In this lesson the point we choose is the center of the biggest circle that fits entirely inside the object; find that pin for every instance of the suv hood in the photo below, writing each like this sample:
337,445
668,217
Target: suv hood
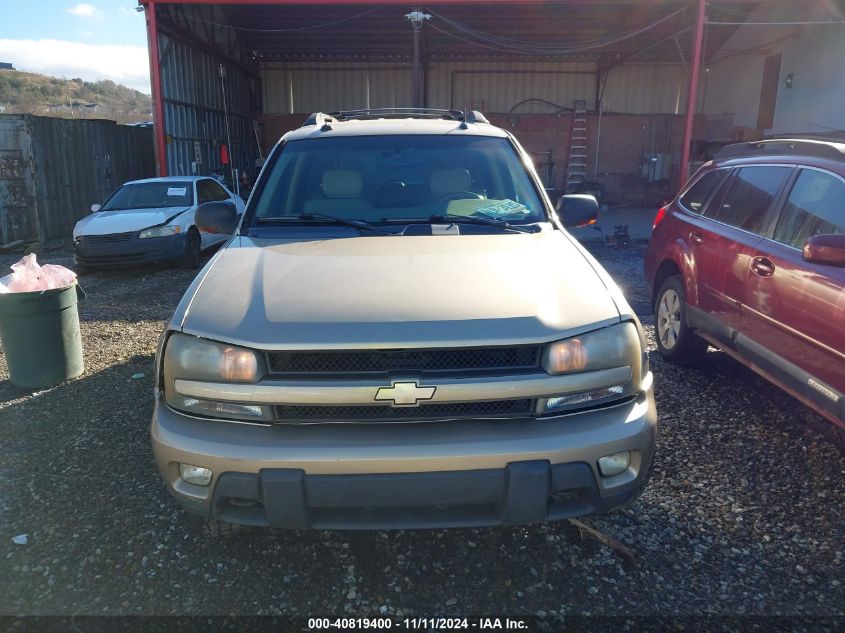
107,222
397,291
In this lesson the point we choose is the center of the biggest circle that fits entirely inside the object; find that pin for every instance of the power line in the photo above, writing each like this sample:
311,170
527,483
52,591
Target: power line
502,43
805,23
290,30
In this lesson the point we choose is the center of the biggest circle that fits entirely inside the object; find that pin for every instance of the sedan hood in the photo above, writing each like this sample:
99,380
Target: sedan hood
398,291
107,222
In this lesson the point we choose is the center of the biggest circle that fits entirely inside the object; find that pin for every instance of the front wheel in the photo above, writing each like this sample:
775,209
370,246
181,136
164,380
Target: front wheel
191,256
676,342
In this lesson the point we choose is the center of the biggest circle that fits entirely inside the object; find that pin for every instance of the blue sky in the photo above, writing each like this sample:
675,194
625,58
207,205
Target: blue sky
94,39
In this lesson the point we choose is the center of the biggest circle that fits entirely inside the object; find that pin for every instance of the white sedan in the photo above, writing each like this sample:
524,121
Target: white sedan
150,221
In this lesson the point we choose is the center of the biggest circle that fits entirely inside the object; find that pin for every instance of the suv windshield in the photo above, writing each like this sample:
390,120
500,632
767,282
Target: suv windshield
397,178
147,195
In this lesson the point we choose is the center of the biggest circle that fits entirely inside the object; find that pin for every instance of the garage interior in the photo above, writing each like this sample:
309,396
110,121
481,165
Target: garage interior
596,91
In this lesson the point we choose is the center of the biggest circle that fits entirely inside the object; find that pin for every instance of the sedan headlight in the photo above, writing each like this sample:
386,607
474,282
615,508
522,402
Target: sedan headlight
160,231
196,359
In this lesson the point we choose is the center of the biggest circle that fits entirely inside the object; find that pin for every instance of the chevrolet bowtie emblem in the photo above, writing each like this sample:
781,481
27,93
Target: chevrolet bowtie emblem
405,393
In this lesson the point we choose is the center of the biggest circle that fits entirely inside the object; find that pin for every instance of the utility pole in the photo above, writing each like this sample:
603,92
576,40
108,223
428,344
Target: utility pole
417,18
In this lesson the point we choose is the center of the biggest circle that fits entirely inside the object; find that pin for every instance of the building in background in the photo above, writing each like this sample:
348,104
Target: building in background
595,90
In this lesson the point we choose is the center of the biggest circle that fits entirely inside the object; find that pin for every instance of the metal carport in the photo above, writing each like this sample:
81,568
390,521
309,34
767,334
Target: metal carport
268,49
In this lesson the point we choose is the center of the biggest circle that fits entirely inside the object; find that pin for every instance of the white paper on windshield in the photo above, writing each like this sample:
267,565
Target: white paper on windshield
176,191
503,209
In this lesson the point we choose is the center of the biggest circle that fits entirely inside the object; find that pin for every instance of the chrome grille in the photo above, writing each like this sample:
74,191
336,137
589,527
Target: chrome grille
363,413
107,239
432,361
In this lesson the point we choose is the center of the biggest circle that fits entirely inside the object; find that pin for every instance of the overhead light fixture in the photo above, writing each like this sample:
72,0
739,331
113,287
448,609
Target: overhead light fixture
417,18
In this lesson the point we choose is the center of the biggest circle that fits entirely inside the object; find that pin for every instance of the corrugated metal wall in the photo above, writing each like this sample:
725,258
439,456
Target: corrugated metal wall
646,89
313,87
70,164
17,191
298,87
194,110
499,86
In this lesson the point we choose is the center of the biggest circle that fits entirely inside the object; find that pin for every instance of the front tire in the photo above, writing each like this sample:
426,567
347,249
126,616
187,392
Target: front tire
191,256
676,342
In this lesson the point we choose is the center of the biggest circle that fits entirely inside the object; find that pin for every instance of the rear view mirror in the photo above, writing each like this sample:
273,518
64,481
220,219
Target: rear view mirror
578,209
96,207
825,249
216,217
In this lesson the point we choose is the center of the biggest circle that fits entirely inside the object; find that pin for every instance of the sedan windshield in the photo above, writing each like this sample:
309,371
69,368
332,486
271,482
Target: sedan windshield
386,179
151,195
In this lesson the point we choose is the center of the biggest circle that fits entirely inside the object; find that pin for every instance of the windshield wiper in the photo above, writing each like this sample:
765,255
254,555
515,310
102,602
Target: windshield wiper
361,225
451,218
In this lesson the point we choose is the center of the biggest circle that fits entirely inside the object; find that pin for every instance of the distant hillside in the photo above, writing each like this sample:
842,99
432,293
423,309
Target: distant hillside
47,96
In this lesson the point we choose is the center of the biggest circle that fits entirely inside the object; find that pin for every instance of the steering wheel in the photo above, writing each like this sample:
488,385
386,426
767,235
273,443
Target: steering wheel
461,195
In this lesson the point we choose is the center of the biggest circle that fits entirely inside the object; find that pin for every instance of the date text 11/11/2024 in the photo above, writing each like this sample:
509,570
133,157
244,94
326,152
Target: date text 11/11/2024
418,624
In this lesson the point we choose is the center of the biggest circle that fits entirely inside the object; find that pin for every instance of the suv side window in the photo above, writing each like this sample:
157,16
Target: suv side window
696,196
749,197
816,206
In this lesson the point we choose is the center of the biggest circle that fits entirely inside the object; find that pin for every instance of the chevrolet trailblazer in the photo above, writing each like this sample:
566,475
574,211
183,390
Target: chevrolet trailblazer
401,333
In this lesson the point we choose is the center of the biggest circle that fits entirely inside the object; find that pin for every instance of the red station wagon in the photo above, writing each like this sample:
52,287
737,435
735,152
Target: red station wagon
750,258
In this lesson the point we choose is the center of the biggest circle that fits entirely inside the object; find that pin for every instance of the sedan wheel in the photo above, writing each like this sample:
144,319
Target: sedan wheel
193,250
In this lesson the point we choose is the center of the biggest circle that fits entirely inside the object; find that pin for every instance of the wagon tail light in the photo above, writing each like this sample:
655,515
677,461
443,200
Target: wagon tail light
661,215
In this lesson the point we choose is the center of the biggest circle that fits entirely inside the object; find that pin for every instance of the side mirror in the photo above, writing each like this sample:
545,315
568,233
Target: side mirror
216,217
578,209
96,207
825,249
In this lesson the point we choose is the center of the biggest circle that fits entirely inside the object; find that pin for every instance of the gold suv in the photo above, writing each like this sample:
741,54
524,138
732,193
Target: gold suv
401,334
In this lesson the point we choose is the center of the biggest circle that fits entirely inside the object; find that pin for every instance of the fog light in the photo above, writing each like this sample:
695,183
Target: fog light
195,474
614,464
585,397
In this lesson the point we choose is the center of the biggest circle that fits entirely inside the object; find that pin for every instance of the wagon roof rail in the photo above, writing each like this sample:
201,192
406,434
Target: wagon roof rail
784,146
468,116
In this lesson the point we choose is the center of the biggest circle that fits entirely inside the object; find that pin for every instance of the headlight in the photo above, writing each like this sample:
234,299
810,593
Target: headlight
160,231
192,358
615,346
608,348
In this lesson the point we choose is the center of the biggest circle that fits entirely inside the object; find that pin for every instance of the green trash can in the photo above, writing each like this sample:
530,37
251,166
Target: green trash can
41,337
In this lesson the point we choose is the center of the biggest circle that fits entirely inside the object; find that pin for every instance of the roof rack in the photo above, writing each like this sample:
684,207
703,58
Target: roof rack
784,146
470,116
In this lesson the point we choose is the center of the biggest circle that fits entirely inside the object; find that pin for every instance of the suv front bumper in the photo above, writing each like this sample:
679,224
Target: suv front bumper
407,475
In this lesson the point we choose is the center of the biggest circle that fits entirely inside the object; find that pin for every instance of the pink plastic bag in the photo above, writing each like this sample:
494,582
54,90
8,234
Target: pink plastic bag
28,276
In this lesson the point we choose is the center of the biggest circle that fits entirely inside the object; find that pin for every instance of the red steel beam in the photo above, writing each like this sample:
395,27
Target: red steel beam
410,3
692,92
158,100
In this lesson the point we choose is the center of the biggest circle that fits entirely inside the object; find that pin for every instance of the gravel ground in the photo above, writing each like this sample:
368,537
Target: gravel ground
743,514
